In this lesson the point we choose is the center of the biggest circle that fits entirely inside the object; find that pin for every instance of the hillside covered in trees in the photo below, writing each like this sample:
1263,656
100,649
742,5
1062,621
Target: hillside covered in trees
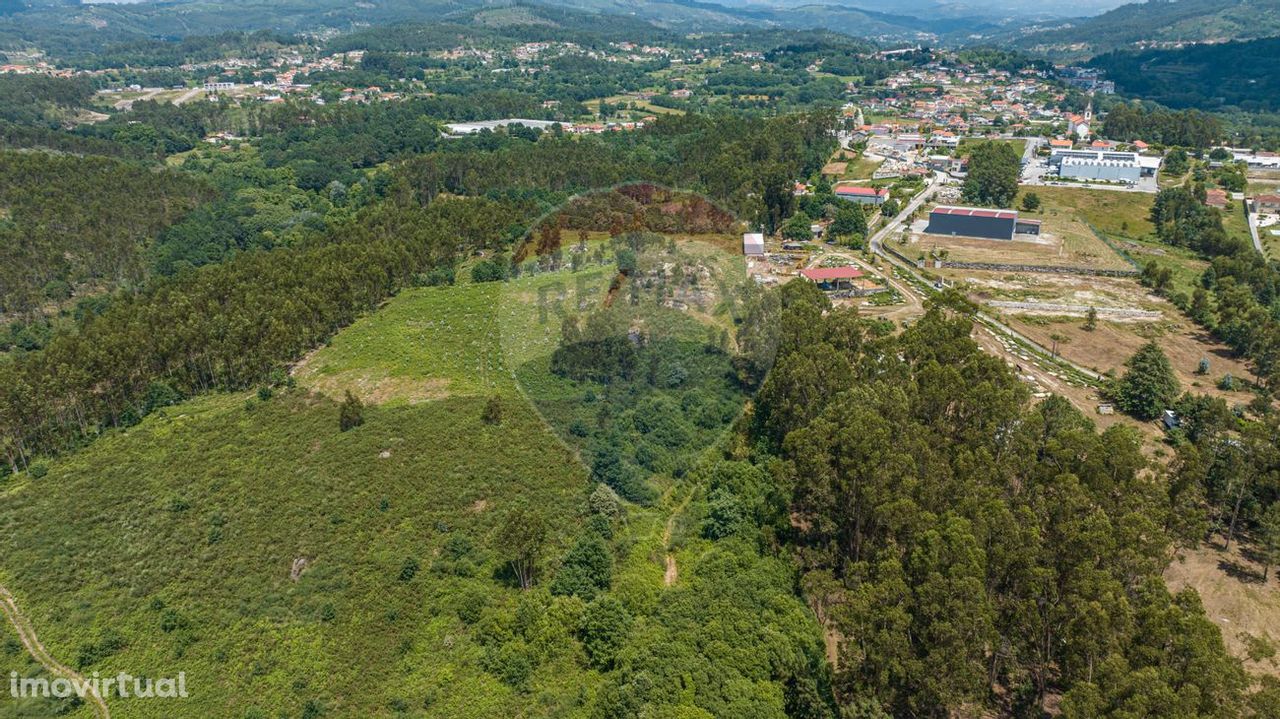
70,221
1159,20
1224,76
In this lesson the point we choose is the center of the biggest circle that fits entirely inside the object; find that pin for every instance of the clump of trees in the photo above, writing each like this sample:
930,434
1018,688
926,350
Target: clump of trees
994,168
1187,128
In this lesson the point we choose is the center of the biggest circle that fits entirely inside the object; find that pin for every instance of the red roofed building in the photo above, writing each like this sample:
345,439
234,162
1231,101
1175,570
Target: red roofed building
1216,198
862,194
832,278
825,274
1267,204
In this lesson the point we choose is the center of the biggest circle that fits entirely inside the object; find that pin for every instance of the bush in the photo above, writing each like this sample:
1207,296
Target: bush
408,570
725,516
603,630
352,413
494,270
492,411
586,570
604,501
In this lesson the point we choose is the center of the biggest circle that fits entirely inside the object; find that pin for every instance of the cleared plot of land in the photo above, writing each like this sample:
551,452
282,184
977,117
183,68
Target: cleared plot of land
862,168
1107,347
1124,214
1062,243
1117,337
967,143
1235,598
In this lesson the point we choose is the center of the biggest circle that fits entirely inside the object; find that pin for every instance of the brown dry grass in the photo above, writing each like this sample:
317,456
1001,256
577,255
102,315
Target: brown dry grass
835,169
374,388
1073,249
1107,347
1235,598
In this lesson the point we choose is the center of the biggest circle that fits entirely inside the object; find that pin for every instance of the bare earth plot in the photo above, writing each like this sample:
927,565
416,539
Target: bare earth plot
1062,244
1121,329
1108,346
1235,598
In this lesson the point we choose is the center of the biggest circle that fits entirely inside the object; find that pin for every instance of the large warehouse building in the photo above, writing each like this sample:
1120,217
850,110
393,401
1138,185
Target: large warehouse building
1100,165
972,222
979,222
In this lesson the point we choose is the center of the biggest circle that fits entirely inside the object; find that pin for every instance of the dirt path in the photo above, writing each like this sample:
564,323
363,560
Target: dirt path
188,95
672,572
27,635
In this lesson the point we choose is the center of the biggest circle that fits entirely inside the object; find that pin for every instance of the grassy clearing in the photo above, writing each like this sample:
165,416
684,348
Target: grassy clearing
861,168
1122,214
1236,599
967,143
1236,222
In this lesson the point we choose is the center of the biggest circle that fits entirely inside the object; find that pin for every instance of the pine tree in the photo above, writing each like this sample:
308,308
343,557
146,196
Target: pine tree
1269,538
1149,386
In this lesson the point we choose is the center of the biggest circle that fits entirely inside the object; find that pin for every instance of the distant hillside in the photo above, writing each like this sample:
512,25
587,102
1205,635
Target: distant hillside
61,30
1230,75
1158,21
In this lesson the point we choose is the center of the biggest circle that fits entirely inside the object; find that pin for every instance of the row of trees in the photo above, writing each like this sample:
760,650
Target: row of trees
227,325
1237,290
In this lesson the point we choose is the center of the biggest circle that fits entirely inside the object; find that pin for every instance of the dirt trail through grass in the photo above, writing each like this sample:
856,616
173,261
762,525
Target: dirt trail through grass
672,572
27,635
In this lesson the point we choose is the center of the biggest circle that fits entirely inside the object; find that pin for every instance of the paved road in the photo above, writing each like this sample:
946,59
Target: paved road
1252,219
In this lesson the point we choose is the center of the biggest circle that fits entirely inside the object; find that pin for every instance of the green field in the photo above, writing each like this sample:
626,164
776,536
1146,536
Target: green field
967,143
206,507
291,569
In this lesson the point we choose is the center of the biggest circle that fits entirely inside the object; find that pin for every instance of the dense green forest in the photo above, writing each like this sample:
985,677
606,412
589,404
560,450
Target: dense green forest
1223,76
970,550
70,221
1127,122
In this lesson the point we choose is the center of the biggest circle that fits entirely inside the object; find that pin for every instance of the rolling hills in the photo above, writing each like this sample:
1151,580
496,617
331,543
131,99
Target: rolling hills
1155,23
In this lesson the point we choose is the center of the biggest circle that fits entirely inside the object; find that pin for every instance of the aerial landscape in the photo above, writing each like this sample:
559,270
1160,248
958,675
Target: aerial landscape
668,359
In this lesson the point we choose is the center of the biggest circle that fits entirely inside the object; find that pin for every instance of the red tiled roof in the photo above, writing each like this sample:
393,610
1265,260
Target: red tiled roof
975,212
820,274
1268,199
